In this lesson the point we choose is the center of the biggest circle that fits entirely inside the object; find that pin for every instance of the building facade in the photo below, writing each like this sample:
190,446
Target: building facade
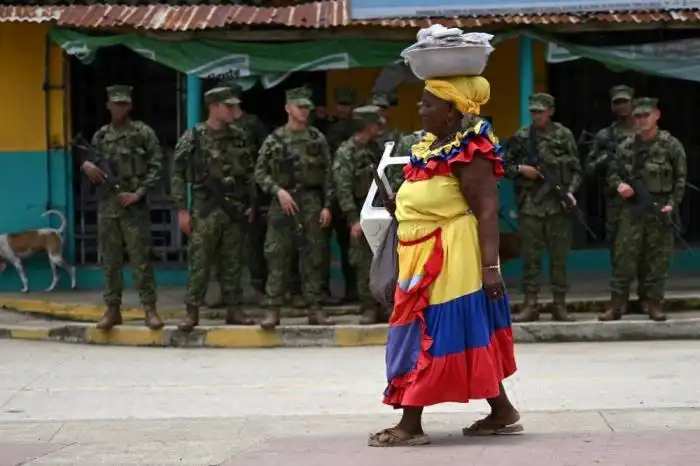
44,91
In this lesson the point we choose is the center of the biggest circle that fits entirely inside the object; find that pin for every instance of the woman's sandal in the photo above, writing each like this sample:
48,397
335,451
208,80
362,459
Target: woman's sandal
394,437
485,427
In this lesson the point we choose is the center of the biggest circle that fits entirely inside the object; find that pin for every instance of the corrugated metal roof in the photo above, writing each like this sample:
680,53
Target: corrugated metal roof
189,17
317,15
29,14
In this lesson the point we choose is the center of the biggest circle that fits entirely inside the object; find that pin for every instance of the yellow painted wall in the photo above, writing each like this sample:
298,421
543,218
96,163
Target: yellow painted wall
22,63
502,72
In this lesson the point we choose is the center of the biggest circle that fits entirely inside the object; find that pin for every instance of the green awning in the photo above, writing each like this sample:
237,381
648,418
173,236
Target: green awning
272,63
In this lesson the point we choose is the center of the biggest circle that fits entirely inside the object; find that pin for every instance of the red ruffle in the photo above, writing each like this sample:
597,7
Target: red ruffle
477,366
438,166
410,305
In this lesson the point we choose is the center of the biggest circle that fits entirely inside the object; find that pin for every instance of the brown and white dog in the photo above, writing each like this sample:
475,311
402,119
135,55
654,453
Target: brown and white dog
16,246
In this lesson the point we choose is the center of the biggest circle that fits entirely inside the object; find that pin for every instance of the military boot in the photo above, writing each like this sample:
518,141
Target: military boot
152,319
111,317
530,311
370,316
615,310
317,316
271,319
655,309
191,320
236,316
559,311
329,300
298,302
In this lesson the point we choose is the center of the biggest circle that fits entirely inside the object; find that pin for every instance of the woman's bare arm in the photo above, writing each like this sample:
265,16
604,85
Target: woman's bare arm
480,189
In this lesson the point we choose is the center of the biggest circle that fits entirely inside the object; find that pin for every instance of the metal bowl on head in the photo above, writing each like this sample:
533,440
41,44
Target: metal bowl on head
437,62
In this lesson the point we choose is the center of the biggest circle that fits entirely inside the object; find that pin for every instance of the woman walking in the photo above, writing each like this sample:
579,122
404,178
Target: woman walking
450,337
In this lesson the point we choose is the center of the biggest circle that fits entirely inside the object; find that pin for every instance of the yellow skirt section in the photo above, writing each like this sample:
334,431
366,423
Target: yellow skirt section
423,207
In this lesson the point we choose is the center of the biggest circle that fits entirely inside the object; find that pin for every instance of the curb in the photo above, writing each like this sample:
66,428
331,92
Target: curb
339,336
93,313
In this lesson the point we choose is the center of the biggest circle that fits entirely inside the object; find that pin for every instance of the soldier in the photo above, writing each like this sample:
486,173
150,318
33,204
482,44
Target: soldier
255,256
257,132
342,127
123,214
338,132
320,118
544,222
352,172
255,239
619,130
384,102
394,173
294,165
217,158
644,245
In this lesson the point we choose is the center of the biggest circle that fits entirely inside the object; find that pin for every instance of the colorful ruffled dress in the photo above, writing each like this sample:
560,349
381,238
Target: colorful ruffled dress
447,342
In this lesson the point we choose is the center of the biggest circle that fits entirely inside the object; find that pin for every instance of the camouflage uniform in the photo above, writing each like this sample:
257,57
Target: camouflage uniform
224,159
255,257
255,240
383,101
338,132
352,171
300,163
134,155
544,223
644,245
598,159
394,173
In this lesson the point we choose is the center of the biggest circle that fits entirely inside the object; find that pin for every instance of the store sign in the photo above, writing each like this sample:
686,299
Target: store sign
380,9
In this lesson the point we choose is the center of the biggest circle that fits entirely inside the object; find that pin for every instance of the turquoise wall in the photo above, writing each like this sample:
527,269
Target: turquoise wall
24,192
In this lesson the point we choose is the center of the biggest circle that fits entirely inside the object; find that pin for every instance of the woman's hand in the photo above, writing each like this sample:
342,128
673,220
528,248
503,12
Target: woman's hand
390,205
493,283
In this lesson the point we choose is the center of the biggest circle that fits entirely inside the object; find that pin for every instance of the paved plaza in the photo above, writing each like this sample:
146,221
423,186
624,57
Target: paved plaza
582,404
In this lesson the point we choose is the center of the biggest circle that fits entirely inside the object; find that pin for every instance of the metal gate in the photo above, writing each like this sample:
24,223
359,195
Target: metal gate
159,102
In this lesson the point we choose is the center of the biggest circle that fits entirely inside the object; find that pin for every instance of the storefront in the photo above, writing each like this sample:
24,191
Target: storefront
170,67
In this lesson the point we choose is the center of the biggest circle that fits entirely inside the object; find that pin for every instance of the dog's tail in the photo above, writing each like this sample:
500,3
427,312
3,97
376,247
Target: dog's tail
62,228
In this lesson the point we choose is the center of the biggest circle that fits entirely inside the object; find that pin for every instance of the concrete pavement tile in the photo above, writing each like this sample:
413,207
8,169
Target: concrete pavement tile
309,426
29,431
175,453
16,454
653,419
160,430
638,449
5,396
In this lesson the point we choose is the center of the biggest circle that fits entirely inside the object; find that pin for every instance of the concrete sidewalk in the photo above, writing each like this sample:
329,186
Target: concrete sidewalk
586,295
683,325
581,405
69,317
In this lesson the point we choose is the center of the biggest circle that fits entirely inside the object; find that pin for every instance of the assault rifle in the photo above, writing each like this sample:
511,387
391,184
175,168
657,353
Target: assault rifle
642,201
550,184
112,181
217,195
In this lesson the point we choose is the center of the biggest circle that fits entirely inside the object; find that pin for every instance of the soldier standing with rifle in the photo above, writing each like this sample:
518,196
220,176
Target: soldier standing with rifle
129,151
598,158
339,131
294,166
218,159
544,205
352,171
649,173
255,256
